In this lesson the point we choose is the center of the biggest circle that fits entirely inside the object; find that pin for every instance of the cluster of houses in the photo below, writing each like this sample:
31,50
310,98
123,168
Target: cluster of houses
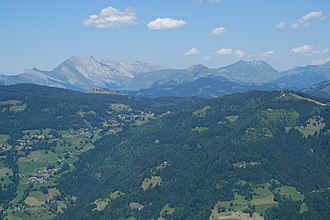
40,176
27,141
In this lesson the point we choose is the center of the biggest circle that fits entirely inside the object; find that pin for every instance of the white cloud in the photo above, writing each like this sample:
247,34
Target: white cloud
229,51
165,23
281,25
206,58
192,52
303,21
239,53
224,51
312,15
112,17
269,54
218,31
320,61
304,50
308,49
324,51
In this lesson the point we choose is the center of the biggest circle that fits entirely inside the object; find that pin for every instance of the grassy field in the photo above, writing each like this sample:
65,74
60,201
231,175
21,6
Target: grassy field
201,112
153,182
166,210
235,216
3,139
262,199
5,173
15,105
136,206
102,203
27,167
291,192
313,126
232,118
40,156
32,213
20,191
39,195
116,195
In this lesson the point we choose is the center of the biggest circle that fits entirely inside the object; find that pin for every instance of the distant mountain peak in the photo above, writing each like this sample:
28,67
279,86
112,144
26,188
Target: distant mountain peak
81,58
250,72
34,69
198,67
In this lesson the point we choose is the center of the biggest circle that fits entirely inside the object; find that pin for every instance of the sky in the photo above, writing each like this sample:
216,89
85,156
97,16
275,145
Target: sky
171,33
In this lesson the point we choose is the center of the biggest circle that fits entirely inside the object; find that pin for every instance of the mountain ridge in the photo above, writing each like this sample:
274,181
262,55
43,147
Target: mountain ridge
84,73
304,76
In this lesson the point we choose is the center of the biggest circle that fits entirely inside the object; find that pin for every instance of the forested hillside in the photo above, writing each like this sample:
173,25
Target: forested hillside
254,155
102,155
43,132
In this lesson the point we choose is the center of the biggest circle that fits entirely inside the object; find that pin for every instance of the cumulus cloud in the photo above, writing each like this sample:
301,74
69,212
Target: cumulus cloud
308,49
269,54
224,51
165,23
303,21
218,31
303,50
111,17
229,51
239,53
281,25
192,52
311,15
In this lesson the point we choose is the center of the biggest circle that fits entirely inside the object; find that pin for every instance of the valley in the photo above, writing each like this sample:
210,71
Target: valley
165,110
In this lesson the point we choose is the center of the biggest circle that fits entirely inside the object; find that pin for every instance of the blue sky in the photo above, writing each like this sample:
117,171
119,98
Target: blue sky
172,33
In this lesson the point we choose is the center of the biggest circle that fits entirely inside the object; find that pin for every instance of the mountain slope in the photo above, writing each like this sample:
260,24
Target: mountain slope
241,72
321,89
249,72
168,77
205,87
257,152
44,131
304,77
83,73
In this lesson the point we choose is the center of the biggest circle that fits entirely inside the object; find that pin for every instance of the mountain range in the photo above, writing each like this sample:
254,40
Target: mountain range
83,73
146,79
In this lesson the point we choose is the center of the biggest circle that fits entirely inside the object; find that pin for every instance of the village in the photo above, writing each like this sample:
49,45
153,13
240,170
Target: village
44,155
